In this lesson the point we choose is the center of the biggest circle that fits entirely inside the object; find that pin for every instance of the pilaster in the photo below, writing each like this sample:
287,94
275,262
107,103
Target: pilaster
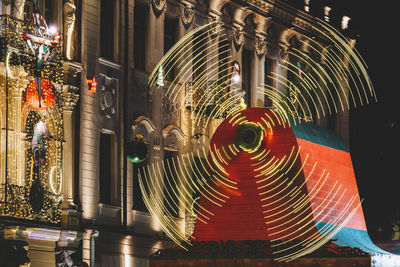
70,216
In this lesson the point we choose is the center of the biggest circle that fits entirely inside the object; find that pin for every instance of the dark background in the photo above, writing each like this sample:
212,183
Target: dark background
375,128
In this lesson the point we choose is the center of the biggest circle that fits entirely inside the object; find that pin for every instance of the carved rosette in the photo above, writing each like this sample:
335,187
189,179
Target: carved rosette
237,36
215,26
158,6
187,14
260,45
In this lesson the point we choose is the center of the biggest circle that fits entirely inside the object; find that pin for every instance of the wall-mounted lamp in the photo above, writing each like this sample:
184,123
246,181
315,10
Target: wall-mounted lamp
137,150
92,85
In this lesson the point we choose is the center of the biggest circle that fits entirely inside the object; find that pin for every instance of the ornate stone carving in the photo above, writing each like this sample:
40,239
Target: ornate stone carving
17,9
69,25
215,26
187,14
158,6
283,54
170,111
108,96
69,100
237,36
66,257
260,45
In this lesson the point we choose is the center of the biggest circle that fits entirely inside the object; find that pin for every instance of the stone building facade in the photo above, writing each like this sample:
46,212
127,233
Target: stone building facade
109,49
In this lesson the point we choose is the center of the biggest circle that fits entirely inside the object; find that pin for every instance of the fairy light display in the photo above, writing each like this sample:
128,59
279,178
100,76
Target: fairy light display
24,60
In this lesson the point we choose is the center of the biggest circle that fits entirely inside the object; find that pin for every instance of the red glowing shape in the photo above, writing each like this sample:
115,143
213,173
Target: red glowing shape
48,91
260,208
92,85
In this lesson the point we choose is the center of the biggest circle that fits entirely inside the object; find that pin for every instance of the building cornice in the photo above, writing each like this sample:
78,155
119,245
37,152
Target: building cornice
284,14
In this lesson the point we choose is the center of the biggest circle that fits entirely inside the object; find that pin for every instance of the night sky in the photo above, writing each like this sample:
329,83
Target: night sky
375,128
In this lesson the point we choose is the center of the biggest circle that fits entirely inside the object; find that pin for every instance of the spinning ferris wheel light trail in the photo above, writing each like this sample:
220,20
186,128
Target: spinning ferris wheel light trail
294,179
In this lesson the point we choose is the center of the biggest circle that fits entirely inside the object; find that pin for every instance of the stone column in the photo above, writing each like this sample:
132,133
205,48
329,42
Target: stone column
212,54
283,57
155,34
258,70
186,13
70,98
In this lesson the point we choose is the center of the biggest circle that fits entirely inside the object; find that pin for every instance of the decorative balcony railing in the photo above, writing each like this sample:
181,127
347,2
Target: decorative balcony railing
31,125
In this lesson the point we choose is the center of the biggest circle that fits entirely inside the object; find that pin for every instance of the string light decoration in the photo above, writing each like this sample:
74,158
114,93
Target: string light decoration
19,115
160,77
263,175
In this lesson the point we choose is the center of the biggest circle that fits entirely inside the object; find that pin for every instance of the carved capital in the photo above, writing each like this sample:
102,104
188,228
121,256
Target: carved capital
260,45
215,25
158,6
69,100
237,36
187,14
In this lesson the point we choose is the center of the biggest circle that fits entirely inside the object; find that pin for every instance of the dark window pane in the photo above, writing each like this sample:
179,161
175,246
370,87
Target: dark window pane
223,58
199,54
269,79
140,17
48,11
138,203
105,168
170,26
246,75
107,19
171,202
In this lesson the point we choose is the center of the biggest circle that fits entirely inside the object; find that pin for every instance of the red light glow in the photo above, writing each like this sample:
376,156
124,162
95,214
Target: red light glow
32,96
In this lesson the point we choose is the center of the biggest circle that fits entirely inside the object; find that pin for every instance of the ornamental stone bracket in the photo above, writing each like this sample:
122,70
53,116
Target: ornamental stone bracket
237,35
144,126
283,55
215,23
158,6
69,97
186,14
172,135
260,45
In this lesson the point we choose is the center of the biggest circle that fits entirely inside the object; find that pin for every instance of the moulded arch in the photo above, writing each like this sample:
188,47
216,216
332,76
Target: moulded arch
216,5
144,126
172,135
